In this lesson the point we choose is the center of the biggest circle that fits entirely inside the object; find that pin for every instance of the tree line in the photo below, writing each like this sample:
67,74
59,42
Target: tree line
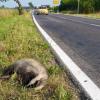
85,6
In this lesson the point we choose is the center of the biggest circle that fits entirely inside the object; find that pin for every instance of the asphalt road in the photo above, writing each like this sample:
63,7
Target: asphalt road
78,37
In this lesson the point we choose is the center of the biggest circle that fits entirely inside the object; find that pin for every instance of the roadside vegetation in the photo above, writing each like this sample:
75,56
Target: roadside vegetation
4,13
19,8
88,8
19,38
91,15
85,6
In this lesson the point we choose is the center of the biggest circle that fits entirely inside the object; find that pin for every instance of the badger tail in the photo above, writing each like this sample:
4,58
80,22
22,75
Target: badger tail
7,72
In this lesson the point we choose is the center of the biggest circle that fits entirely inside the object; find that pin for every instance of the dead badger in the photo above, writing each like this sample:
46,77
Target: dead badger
29,71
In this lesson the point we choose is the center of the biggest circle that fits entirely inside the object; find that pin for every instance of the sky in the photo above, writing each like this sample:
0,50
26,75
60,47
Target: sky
12,4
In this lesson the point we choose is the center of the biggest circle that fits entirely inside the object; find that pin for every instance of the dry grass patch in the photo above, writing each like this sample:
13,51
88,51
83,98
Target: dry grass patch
7,13
95,15
92,15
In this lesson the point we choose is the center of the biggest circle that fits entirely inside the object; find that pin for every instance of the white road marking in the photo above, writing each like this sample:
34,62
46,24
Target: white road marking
92,90
79,21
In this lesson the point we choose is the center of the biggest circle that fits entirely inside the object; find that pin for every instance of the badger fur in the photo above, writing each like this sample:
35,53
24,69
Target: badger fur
29,71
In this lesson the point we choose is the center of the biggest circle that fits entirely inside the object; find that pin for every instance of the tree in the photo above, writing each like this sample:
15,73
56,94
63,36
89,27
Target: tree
86,6
20,8
68,5
31,5
2,6
97,5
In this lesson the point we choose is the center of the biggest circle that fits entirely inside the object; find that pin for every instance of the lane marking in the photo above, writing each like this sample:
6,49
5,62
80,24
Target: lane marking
97,25
85,82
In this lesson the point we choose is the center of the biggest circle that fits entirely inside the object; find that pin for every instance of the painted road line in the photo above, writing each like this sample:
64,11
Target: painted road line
96,25
85,82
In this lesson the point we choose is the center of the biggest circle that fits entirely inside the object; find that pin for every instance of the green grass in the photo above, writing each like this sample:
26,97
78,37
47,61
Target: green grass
68,12
94,15
91,15
19,38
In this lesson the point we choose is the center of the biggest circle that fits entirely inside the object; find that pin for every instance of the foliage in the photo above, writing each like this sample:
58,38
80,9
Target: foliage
68,5
86,6
20,8
31,5
97,5
55,8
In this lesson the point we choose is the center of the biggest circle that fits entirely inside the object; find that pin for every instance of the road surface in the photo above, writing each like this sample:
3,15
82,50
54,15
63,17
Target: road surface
78,37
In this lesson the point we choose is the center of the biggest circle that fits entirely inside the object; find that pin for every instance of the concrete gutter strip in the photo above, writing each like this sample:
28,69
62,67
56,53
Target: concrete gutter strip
84,81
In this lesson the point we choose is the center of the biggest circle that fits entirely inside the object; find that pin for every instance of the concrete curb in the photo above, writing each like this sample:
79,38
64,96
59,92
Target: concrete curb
84,81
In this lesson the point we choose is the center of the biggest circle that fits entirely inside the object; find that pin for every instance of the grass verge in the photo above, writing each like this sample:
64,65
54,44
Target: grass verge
19,38
91,15
94,15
